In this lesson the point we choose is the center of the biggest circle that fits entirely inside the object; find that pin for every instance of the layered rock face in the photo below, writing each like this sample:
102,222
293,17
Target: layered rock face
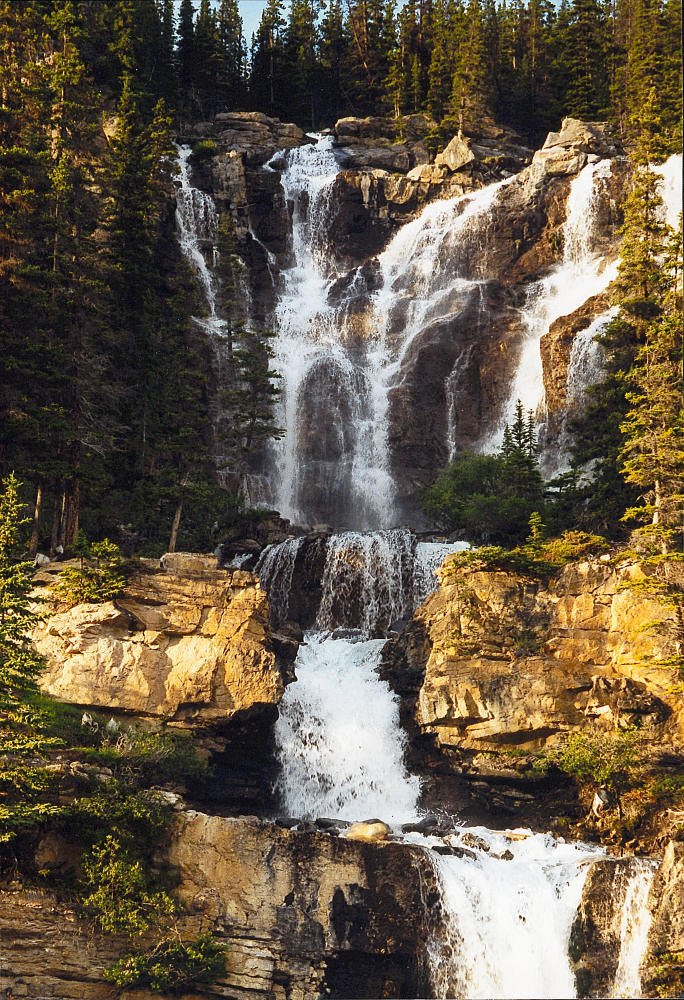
496,667
498,659
303,915
186,644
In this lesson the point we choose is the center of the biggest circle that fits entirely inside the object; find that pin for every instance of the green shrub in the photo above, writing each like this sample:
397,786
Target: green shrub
604,759
172,966
205,149
120,897
99,578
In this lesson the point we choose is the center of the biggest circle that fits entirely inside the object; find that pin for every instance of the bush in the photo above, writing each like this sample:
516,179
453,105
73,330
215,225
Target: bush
604,759
205,149
98,579
172,966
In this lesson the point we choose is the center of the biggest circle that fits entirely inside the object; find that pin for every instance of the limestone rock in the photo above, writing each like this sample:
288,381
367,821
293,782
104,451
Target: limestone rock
496,658
186,642
556,347
369,831
302,915
664,966
597,928
456,155
567,152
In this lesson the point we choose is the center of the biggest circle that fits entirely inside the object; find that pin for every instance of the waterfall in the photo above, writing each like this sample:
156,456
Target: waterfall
333,764
333,462
581,274
634,928
369,579
196,228
585,368
197,225
507,922
275,569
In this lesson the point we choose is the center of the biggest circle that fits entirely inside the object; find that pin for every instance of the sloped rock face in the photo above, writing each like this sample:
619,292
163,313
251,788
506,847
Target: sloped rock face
511,662
302,915
185,642
189,645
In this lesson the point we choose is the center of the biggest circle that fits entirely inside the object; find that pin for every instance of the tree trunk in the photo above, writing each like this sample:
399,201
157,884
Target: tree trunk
73,503
35,533
175,525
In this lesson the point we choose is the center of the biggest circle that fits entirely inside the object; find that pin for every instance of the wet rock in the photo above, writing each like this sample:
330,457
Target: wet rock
427,825
369,831
597,929
472,840
664,964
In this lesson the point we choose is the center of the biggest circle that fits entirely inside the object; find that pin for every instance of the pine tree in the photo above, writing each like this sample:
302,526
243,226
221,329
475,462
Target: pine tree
469,98
19,665
653,428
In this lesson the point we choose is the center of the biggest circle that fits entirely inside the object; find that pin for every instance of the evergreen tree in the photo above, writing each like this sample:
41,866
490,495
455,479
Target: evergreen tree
653,428
19,664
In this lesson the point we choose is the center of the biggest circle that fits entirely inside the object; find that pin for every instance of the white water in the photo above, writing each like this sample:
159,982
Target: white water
581,274
337,370
636,923
339,738
509,922
196,225
369,580
585,369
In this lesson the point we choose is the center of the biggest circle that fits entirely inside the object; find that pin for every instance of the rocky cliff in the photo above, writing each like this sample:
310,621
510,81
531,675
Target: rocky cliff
458,357
496,667
187,645
303,915
306,914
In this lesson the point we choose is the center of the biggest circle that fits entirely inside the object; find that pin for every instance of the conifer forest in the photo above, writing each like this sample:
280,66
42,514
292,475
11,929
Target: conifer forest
341,499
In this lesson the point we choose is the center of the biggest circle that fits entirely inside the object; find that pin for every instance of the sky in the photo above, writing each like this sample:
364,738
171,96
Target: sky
250,12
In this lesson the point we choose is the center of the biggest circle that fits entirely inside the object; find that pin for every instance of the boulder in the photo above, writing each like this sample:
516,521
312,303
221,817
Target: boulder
456,155
568,151
185,641
369,831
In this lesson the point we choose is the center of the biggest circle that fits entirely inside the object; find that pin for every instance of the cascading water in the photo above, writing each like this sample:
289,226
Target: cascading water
507,906
332,765
508,922
333,461
585,368
196,227
582,273
635,925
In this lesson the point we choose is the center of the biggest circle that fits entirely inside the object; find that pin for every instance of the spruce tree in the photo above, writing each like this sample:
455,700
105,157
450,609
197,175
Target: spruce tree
653,428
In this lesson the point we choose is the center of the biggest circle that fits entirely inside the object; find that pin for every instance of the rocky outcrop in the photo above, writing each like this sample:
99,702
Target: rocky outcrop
378,143
613,901
302,915
187,645
185,642
556,349
509,661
